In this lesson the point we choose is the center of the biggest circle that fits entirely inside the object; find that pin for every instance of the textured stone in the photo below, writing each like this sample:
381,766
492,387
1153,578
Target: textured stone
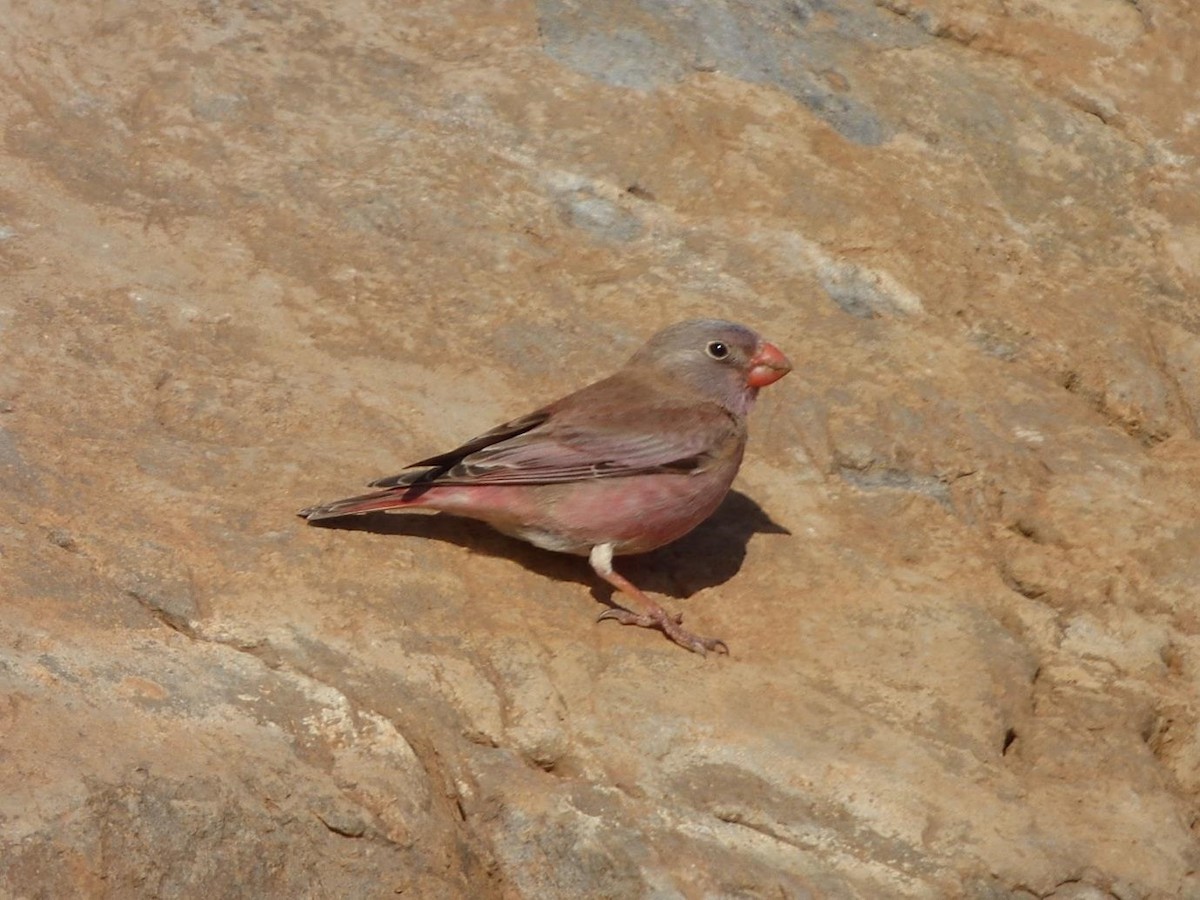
257,254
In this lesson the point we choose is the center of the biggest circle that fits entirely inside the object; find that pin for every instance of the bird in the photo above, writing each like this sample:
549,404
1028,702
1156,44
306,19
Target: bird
622,466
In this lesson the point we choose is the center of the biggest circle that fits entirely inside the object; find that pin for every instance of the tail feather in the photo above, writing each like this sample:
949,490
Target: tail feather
365,503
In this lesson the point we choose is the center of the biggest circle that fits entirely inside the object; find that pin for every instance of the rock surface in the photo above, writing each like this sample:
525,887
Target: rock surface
257,253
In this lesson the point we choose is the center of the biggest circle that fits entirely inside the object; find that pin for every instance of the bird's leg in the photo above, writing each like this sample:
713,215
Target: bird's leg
655,616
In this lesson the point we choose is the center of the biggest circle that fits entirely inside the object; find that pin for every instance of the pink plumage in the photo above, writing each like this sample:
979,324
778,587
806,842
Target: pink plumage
624,465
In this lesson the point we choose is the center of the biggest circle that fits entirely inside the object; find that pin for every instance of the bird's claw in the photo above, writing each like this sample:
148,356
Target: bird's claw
670,625
695,643
625,617
702,644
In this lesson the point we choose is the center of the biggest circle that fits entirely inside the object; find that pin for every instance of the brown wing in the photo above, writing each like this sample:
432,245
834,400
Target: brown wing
613,428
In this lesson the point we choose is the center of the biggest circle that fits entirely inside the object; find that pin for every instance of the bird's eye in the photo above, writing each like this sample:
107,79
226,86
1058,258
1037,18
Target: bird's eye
717,349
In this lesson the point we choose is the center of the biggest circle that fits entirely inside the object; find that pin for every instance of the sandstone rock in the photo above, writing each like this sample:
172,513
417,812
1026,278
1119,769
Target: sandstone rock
257,254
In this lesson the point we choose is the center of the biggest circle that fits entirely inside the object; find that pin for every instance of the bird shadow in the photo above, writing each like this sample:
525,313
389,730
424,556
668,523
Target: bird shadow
708,556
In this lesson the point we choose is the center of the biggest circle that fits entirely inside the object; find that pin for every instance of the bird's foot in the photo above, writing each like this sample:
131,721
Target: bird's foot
668,624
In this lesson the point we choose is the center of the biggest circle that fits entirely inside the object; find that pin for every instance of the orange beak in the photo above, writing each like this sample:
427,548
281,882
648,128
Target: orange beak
767,366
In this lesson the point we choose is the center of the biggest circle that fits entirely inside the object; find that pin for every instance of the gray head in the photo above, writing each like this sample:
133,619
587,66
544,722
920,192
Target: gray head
722,360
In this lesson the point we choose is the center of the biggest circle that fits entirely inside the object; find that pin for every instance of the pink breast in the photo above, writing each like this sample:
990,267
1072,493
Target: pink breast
634,514
640,513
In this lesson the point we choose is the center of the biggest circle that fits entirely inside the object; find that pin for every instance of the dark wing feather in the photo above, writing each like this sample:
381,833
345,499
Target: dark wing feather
444,461
614,428
576,453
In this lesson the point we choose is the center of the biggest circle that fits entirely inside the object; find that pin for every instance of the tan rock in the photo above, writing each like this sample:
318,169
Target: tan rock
256,255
